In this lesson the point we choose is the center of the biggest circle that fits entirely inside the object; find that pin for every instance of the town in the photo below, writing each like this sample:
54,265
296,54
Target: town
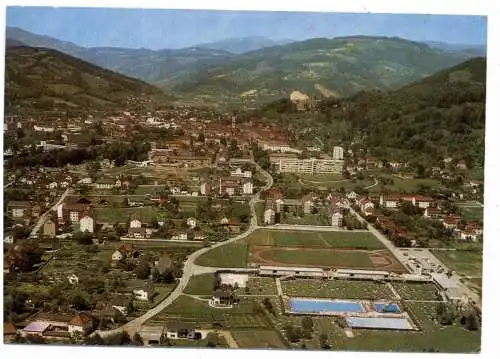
149,215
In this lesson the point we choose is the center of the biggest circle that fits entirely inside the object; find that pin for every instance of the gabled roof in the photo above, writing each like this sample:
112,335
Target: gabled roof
9,329
80,319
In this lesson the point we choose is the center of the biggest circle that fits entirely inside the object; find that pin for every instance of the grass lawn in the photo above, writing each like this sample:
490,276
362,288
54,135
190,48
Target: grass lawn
243,315
476,284
327,177
258,339
259,286
221,343
315,239
417,291
202,284
122,214
472,214
467,263
409,185
340,289
148,189
233,255
453,339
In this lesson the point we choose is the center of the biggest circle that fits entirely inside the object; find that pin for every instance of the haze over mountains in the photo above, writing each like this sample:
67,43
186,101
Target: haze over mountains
254,70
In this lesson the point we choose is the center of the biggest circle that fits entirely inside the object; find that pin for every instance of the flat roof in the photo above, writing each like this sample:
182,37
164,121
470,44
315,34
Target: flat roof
379,323
38,327
361,271
292,269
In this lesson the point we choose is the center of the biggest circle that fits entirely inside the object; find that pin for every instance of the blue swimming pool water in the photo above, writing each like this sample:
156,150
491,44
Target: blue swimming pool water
384,308
299,305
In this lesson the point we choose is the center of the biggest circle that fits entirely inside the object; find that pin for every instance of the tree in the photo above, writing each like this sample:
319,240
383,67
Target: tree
212,340
142,270
137,340
471,322
323,341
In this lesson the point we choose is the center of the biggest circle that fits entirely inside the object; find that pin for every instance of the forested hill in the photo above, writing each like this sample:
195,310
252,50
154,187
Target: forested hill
439,116
39,78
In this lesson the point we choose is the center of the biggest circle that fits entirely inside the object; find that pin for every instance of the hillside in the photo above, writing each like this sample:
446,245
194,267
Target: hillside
243,44
46,79
317,67
440,116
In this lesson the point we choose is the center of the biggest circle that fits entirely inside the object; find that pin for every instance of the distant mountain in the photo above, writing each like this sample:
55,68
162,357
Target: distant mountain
39,78
317,67
474,50
13,43
34,40
144,64
243,44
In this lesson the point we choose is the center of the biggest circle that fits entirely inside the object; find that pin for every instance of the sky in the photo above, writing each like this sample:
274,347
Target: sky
161,29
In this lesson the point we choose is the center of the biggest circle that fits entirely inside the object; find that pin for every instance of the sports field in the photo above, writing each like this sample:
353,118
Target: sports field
359,250
342,239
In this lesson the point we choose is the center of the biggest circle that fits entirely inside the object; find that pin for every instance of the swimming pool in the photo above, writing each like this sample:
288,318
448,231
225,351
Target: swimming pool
387,308
303,305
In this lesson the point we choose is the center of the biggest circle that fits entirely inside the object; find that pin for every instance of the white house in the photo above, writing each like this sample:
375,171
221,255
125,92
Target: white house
337,219
352,195
86,180
248,187
135,223
9,239
87,224
191,222
269,214
141,294
52,185
117,256
73,279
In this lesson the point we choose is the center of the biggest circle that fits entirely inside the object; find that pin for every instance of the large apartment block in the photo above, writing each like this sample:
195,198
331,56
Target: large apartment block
310,166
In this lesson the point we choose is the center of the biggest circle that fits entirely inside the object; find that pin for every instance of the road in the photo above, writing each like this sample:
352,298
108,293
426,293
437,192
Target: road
191,269
394,250
43,217
372,185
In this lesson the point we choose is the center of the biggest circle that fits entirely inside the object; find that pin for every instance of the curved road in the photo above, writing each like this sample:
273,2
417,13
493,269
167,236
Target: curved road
191,269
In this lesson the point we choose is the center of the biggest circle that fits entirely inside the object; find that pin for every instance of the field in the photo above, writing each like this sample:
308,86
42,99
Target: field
472,214
233,255
202,284
326,258
407,185
344,239
339,289
247,314
261,286
262,339
417,291
327,177
302,248
466,263
122,214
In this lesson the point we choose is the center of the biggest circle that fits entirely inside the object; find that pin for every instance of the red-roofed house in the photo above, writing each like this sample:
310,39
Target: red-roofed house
433,213
451,221
81,323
